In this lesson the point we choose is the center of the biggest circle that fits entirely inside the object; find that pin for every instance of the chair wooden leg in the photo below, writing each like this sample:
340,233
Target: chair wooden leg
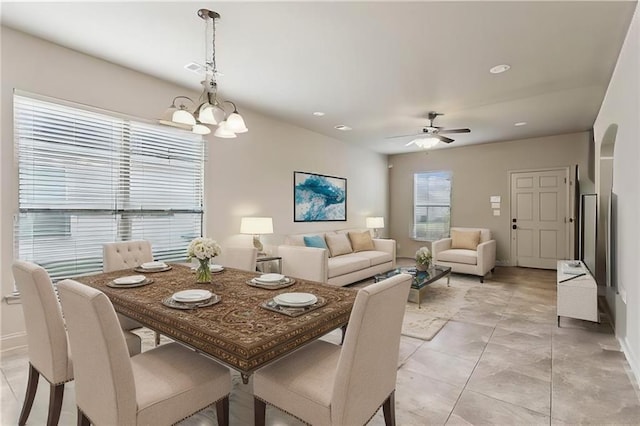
344,332
157,339
32,387
222,411
389,409
82,419
56,392
259,412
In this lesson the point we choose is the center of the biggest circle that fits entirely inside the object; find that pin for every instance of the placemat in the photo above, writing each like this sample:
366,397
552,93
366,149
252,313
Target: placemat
291,311
288,283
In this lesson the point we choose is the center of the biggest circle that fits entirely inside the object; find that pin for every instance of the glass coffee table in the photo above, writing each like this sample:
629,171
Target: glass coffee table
421,279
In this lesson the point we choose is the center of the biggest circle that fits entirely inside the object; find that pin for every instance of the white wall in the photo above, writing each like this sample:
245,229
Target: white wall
480,171
250,175
621,108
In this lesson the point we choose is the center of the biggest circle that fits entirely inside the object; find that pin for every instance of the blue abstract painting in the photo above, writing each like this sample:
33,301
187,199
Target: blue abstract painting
319,198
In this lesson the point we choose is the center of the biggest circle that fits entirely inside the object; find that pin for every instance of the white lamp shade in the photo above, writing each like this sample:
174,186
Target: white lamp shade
223,132
205,114
426,143
184,117
256,225
235,123
375,222
201,129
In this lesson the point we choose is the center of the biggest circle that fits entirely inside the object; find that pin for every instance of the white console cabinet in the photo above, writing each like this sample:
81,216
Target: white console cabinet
577,295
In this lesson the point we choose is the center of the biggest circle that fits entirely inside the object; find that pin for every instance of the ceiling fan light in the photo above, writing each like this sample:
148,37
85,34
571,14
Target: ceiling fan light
183,116
223,132
200,129
235,123
426,143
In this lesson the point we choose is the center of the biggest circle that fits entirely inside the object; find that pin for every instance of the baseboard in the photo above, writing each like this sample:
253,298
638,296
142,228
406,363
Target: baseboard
632,358
13,341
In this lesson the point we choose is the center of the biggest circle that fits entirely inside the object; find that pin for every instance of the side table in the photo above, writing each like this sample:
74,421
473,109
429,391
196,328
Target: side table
261,262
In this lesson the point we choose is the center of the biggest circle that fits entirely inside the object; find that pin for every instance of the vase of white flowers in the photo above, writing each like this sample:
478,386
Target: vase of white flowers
203,249
423,259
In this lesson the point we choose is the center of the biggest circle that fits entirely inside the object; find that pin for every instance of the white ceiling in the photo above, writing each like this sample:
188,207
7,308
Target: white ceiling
378,67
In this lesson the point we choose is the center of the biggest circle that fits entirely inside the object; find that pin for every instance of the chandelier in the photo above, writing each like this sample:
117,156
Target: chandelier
208,111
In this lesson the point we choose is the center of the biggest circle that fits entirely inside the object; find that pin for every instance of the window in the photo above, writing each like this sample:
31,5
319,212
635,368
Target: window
86,178
431,205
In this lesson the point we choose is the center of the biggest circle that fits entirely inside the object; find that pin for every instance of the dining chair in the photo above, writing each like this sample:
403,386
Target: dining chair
158,387
239,258
327,384
47,338
126,255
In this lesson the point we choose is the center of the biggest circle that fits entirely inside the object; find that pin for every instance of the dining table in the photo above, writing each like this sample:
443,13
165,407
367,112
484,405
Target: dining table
245,329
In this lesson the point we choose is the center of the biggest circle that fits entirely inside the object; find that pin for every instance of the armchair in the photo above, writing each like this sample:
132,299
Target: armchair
468,251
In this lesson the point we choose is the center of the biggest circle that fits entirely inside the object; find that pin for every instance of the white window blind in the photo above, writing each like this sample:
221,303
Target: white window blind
87,178
431,205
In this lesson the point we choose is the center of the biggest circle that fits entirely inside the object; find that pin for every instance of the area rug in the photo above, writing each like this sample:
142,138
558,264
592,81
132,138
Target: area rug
439,304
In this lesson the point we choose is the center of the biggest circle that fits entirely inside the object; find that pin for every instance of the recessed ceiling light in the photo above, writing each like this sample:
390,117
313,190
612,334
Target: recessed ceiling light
520,123
500,69
343,127
319,114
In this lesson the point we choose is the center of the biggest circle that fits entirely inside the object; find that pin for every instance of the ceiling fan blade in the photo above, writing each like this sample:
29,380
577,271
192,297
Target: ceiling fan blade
454,131
404,136
444,138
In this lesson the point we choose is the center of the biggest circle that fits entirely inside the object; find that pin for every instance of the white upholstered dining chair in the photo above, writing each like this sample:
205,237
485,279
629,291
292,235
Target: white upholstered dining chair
158,387
239,258
47,338
126,255
326,384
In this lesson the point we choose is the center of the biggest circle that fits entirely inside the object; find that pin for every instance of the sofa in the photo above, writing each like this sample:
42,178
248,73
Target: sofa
467,251
347,256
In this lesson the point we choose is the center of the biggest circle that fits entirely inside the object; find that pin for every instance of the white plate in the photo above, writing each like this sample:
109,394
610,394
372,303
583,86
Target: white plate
153,265
270,278
295,299
216,268
131,279
274,283
190,296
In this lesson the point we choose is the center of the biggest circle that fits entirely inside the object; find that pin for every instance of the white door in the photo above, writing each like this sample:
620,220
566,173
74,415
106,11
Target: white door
539,218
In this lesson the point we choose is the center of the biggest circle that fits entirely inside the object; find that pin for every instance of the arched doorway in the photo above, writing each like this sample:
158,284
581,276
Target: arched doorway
605,261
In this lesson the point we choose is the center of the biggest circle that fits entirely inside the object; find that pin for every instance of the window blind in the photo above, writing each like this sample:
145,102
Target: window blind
431,205
87,178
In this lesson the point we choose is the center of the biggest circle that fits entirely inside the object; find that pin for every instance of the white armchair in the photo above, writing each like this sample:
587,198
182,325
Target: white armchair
468,251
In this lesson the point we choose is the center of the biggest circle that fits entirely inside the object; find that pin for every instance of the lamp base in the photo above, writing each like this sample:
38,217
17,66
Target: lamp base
257,244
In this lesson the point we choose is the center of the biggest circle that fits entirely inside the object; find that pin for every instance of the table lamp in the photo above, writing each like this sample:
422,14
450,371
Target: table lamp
375,223
256,226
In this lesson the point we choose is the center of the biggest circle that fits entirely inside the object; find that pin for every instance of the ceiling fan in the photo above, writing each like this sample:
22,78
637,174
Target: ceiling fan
431,134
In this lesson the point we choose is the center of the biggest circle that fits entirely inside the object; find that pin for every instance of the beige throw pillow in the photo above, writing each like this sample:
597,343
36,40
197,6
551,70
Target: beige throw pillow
338,244
465,239
361,241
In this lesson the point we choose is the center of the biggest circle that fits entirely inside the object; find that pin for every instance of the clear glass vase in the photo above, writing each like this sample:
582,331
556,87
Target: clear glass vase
203,273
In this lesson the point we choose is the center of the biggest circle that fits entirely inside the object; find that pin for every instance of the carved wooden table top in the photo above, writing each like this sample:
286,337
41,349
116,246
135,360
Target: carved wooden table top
236,331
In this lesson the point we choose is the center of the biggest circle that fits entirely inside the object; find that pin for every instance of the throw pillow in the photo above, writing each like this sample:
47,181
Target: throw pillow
361,241
338,244
465,239
315,241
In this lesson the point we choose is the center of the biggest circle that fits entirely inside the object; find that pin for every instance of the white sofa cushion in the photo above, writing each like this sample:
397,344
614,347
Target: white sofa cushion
346,263
469,257
375,257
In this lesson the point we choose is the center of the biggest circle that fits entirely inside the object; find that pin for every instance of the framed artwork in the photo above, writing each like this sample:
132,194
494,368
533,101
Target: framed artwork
319,198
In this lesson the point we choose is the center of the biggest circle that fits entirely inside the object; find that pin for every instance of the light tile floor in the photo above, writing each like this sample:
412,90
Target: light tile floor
501,360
